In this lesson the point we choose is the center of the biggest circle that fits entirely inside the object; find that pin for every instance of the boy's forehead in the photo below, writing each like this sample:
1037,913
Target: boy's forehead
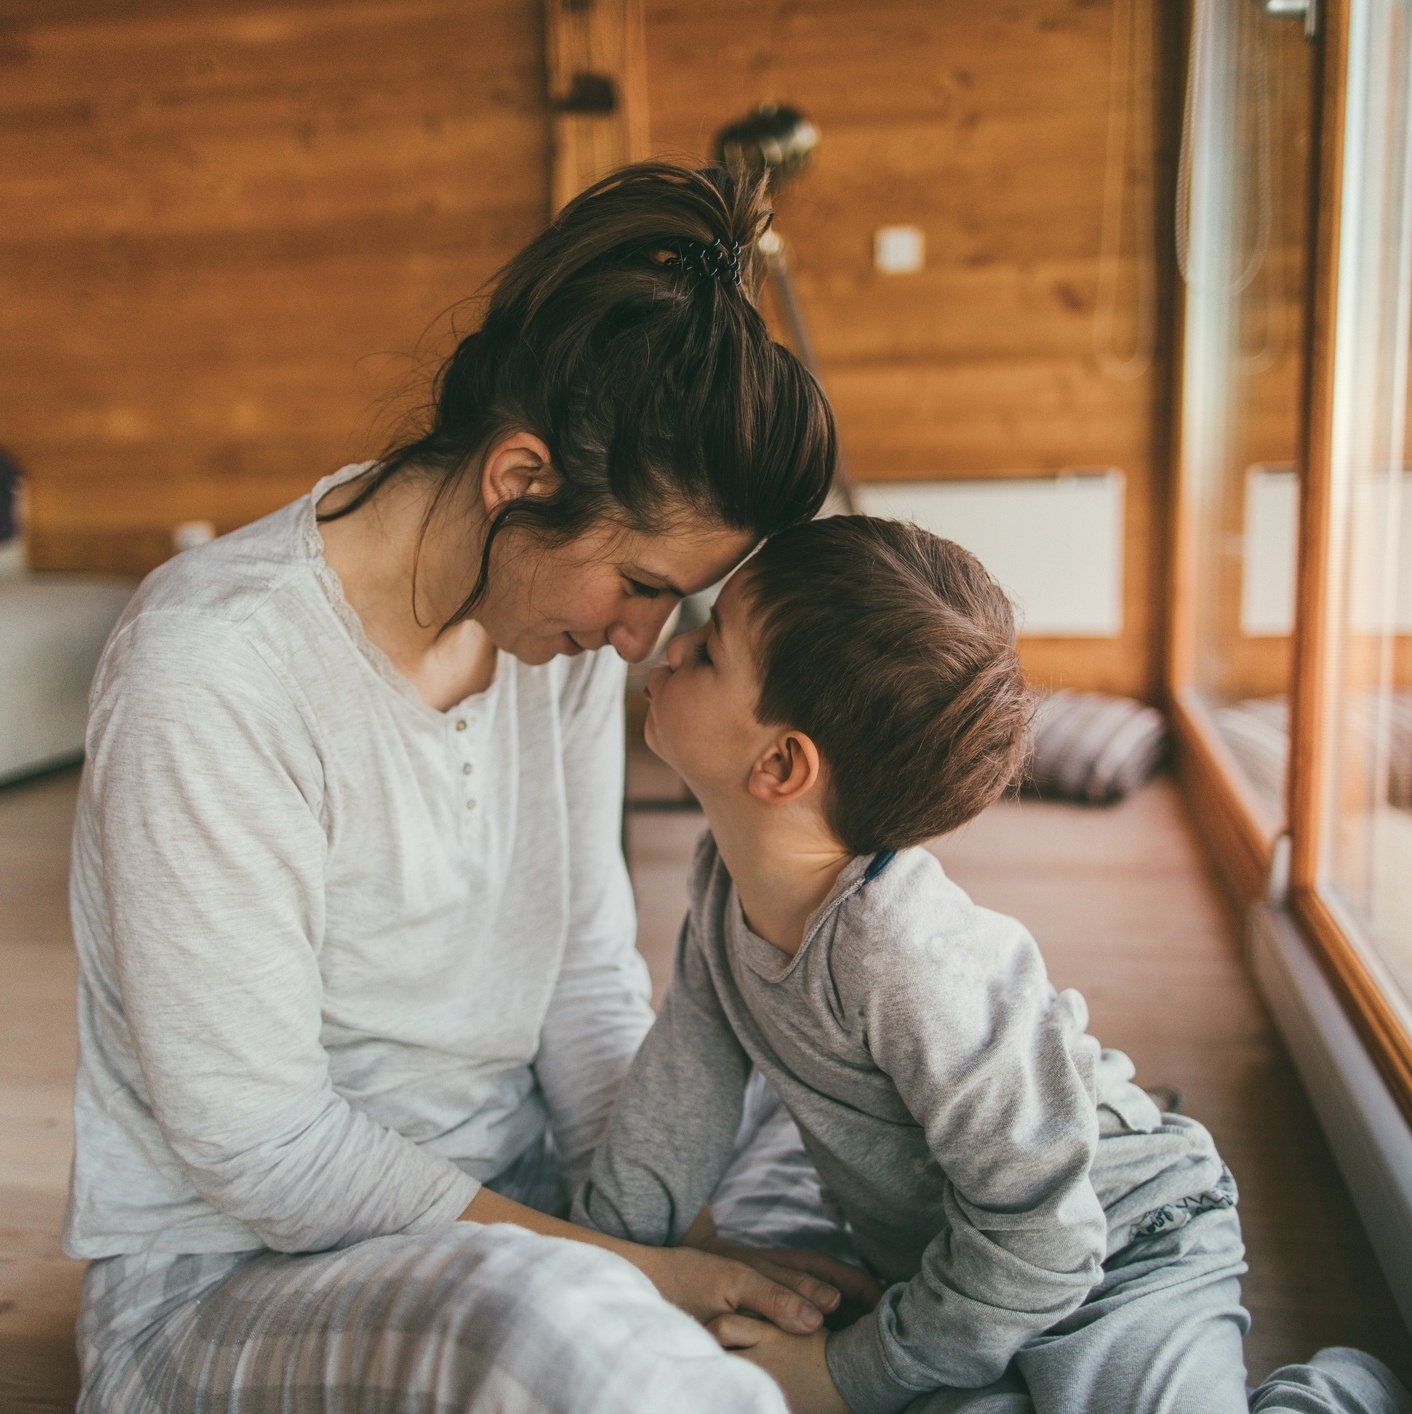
729,611
731,617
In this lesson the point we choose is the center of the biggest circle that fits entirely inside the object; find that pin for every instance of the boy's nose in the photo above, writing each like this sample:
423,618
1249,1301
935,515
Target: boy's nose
677,649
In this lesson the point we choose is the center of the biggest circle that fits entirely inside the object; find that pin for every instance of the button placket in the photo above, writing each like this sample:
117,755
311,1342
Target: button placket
467,767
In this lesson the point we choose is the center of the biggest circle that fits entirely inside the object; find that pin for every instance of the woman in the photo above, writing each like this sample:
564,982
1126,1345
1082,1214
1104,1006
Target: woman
356,938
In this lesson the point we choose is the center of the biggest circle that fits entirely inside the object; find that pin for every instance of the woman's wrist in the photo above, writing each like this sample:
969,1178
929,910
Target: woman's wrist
700,1283
491,1207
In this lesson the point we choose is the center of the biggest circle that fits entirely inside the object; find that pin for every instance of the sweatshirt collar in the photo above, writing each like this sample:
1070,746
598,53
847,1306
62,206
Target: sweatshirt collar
773,964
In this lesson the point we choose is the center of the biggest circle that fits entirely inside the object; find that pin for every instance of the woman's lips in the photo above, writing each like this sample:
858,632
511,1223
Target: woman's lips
574,648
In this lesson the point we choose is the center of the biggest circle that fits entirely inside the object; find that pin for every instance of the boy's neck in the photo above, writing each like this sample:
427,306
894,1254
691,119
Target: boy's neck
783,863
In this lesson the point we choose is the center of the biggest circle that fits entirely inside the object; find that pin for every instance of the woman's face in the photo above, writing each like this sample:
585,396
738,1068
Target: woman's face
608,586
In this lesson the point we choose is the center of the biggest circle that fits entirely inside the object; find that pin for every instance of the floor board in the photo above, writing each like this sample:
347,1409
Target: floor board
38,1285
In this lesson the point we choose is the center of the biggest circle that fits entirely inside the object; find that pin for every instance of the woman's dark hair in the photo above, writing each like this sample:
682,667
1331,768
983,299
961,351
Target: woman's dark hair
894,650
626,336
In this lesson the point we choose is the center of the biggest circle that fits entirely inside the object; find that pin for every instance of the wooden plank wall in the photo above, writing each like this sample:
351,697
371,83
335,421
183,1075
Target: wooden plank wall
986,125
224,226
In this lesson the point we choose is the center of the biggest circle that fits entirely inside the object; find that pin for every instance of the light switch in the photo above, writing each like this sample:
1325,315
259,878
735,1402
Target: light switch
899,250
188,534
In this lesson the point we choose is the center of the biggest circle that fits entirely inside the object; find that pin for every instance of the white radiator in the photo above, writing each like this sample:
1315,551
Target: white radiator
1054,542
1270,548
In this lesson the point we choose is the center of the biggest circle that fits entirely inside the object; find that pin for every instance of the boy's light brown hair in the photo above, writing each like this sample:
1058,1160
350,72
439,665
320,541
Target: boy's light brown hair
894,650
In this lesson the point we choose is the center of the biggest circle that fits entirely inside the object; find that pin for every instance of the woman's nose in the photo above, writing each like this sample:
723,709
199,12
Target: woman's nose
636,635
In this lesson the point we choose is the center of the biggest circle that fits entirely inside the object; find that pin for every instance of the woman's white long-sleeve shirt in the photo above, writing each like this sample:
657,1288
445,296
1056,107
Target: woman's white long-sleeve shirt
341,956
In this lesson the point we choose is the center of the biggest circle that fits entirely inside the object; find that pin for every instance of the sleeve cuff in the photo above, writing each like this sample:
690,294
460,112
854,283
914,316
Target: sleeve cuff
447,1208
860,1370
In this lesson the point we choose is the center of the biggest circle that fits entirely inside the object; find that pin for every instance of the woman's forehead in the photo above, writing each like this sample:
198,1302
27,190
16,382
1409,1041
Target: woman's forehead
690,557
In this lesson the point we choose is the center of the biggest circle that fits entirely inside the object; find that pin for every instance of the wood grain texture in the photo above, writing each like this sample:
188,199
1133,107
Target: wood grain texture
1316,684
1236,826
224,230
38,1285
601,39
225,226
985,126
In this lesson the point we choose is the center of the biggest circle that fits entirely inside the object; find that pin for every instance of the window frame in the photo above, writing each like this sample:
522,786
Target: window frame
1246,844
1332,931
1242,835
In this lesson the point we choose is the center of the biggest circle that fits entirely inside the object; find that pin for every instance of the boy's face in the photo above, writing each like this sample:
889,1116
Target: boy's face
701,714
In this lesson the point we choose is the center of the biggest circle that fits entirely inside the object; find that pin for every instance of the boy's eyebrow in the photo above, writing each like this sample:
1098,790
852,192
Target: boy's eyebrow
716,622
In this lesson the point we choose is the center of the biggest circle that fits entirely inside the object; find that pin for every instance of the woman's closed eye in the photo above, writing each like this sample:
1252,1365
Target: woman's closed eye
645,591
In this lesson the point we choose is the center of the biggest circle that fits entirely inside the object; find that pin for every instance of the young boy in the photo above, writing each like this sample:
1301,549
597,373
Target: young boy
1040,1227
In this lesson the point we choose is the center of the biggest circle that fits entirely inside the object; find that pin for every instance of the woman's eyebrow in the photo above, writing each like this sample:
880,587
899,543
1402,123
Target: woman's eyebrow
641,571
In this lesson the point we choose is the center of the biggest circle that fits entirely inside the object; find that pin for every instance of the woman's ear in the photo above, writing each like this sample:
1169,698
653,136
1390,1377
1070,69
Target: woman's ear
787,770
517,465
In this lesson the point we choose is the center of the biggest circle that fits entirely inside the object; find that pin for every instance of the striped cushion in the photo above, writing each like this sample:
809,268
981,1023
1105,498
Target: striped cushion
1092,747
1257,732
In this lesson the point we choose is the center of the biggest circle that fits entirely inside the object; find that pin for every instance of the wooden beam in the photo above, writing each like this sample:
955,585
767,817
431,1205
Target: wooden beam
596,61
1320,538
1232,820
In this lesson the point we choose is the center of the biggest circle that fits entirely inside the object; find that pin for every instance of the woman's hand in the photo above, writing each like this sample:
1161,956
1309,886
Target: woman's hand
703,1284
796,1363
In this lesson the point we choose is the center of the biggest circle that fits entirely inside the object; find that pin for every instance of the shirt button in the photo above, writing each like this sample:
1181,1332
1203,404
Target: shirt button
470,805
467,769
460,724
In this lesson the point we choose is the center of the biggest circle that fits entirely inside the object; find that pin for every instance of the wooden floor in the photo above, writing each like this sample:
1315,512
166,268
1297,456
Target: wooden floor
38,1287
1117,898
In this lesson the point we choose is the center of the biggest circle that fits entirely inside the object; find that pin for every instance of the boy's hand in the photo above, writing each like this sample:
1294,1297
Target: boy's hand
706,1285
796,1363
843,1292
814,1275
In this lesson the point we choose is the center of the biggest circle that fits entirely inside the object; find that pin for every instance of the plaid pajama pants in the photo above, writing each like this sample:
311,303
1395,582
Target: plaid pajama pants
475,1319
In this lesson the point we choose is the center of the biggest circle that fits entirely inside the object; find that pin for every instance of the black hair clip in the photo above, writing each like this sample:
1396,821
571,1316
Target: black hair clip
717,261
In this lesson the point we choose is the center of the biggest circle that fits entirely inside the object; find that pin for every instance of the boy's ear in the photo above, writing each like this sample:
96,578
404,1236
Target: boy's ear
786,770
517,465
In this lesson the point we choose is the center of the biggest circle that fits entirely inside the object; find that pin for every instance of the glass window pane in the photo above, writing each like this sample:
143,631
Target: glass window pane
1368,830
1246,147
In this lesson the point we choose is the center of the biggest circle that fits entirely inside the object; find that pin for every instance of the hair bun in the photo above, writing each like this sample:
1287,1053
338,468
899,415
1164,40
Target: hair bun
717,261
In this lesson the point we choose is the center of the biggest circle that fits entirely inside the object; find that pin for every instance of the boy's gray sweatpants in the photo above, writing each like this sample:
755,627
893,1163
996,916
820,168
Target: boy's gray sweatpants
496,1320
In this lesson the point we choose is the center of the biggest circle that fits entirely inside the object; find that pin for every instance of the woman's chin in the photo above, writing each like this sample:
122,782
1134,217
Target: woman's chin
535,652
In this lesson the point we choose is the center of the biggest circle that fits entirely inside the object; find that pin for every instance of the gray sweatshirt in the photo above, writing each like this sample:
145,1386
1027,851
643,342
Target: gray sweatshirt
985,1152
